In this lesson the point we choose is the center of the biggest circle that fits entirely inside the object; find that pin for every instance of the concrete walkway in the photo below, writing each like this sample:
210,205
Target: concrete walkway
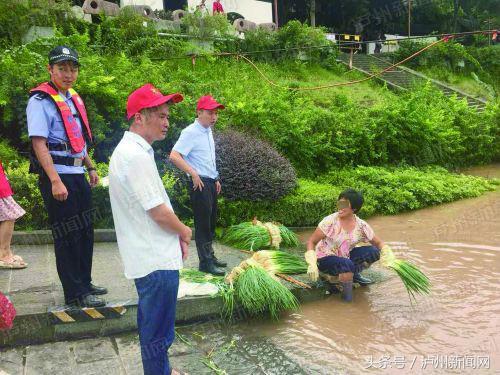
36,288
199,349
105,355
38,298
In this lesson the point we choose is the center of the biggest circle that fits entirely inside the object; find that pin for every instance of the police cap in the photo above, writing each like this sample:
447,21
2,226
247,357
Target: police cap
63,53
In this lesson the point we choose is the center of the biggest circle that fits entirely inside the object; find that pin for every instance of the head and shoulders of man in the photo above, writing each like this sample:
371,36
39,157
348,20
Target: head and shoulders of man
148,112
63,68
207,114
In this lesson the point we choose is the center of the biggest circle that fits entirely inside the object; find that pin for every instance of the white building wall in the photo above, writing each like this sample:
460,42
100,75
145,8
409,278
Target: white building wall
253,10
154,4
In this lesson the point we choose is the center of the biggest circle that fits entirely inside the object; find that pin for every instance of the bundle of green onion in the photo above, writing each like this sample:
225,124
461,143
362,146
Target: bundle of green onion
195,276
258,292
413,279
255,235
277,261
226,291
289,238
246,236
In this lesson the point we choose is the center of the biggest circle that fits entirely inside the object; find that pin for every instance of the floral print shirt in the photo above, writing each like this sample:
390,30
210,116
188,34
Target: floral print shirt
339,242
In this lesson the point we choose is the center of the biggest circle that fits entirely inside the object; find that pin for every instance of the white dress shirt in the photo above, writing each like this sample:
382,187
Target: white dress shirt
135,187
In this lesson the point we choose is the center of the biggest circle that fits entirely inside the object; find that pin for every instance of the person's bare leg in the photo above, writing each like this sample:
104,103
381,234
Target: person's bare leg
6,231
345,277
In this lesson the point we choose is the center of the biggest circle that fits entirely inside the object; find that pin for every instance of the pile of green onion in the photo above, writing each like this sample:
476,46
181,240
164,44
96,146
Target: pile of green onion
258,292
289,238
255,288
195,276
277,261
248,236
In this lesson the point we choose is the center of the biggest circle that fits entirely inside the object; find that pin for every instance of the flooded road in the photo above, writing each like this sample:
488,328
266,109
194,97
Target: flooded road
454,330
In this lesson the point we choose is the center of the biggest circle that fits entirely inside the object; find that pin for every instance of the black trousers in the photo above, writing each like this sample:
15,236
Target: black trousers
204,204
73,232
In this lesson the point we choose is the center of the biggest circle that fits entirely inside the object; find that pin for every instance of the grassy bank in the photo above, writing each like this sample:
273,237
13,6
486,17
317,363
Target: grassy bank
386,191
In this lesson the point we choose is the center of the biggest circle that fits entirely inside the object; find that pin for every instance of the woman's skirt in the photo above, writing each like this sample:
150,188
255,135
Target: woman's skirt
9,209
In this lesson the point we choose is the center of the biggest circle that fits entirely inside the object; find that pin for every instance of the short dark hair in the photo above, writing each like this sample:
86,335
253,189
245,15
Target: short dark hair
354,197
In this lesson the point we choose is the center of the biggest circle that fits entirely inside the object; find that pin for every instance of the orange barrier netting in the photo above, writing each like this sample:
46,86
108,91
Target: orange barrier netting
342,83
338,84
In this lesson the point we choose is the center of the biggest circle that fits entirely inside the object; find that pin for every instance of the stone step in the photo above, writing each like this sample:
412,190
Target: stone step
402,78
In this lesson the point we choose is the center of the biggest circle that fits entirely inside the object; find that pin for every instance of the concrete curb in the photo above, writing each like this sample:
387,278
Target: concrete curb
44,237
39,328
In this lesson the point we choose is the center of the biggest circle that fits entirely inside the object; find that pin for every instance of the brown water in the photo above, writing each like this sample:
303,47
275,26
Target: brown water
454,330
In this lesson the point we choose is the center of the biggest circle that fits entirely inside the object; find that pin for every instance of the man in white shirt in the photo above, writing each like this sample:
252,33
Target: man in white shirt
152,241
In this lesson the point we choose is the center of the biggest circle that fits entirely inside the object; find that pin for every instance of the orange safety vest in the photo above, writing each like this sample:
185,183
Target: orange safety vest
75,136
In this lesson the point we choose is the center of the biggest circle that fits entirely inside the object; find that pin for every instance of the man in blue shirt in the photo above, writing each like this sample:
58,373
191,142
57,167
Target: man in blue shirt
59,132
194,153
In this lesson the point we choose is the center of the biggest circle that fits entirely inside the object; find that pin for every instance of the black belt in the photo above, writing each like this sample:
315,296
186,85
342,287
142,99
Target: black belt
208,179
63,146
67,160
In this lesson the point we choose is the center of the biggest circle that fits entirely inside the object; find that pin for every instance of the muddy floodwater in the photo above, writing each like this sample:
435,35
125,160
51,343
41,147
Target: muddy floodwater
454,330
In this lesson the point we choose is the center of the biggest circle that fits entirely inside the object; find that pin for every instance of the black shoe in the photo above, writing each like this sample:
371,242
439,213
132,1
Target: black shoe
92,301
97,290
361,280
211,268
219,263
87,301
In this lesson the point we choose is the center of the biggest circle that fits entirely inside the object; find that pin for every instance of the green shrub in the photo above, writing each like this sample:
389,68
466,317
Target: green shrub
27,195
489,59
17,16
451,55
251,169
206,26
393,190
386,191
292,41
255,40
175,182
8,155
315,130
305,206
451,61
298,38
115,35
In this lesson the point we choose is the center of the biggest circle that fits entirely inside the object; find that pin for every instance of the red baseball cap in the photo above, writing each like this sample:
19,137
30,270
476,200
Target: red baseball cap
148,96
208,103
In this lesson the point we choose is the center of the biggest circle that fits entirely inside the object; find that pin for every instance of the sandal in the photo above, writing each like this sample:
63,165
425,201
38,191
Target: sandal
20,260
15,262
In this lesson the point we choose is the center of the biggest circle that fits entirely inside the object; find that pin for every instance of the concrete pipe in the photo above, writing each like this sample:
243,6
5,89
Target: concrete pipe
178,14
242,25
100,6
143,10
271,26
